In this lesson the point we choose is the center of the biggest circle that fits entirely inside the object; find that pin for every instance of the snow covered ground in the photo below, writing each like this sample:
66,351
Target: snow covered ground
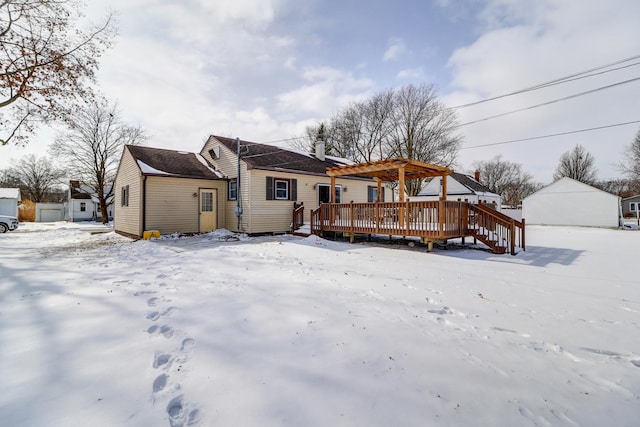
216,330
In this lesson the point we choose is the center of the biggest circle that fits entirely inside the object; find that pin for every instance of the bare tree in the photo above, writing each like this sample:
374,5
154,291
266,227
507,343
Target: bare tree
39,177
423,130
631,164
578,164
409,122
92,148
508,179
46,62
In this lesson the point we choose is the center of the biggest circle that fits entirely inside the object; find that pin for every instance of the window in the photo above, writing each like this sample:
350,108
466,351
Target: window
372,194
207,202
124,196
83,206
281,189
233,189
633,206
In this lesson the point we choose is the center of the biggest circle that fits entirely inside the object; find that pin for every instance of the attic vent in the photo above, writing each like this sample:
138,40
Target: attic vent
215,153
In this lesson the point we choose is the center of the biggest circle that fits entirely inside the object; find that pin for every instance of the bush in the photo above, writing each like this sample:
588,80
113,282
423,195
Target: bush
27,211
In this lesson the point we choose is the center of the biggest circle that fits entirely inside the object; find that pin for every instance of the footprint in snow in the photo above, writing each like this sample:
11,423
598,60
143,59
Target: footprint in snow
179,414
160,383
164,330
187,345
155,315
443,310
161,360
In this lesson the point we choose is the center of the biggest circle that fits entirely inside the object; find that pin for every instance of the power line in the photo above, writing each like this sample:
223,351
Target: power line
551,102
551,135
566,79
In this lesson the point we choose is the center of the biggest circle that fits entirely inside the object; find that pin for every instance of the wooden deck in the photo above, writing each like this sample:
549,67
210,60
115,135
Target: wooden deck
430,221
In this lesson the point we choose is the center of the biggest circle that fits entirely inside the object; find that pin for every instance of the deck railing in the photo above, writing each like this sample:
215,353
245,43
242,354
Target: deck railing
434,220
297,217
496,227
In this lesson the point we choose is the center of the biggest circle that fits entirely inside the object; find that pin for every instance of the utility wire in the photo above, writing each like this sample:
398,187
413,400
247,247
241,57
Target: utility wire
550,102
571,77
550,135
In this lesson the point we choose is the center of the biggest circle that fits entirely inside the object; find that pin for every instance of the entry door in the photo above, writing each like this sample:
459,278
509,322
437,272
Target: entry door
208,211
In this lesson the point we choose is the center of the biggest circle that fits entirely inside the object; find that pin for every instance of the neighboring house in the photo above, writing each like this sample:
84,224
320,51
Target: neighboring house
631,206
50,212
460,187
9,199
174,191
571,202
83,203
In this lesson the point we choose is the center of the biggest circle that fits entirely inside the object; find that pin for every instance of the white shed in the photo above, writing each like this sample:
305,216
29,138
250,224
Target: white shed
571,202
9,199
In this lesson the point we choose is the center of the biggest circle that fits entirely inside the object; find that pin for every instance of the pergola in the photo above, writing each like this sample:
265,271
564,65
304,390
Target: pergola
397,169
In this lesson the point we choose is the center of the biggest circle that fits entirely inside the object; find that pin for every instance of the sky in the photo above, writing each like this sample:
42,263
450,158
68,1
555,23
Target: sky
262,70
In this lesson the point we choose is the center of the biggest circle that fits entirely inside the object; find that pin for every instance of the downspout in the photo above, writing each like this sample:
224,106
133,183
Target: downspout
238,191
144,203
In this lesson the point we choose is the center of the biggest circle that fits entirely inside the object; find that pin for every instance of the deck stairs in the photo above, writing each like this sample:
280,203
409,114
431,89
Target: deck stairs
498,231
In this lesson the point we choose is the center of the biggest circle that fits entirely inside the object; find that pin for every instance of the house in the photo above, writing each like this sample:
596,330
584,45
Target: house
272,178
176,191
631,206
83,204
460,187
571,202
9,199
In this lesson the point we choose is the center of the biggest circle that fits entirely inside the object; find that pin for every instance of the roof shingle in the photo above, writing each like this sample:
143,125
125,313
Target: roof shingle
180,164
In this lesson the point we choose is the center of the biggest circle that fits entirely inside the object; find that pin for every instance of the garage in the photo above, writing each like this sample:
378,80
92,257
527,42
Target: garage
49,212
571,202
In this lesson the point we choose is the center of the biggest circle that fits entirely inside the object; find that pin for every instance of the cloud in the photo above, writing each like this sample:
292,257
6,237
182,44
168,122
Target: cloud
521,47
413,74
396,49
327,89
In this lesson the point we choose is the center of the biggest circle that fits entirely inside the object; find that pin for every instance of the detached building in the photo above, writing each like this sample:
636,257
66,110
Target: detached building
571,202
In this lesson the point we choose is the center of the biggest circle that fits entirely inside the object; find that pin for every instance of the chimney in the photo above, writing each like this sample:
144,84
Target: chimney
320,150
477,176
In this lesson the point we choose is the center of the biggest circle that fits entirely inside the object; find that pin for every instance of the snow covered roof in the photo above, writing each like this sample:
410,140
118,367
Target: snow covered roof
9,193
468,185
161,162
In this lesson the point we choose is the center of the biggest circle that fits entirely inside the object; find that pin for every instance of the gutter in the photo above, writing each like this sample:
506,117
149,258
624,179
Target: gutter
144,203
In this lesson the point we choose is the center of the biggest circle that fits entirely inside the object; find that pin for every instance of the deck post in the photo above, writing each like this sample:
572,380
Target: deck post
401,194
332,200
512,232
351,218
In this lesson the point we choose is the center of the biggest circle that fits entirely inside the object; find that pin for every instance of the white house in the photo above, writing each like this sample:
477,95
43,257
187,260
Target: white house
462,187
571,202
9,199
83,204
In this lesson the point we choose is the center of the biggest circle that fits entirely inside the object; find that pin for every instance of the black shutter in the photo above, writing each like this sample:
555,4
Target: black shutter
269,188
370,194
294,190
382,199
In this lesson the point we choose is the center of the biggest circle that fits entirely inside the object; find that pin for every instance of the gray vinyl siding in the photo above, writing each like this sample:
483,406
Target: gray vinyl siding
172,207
128,219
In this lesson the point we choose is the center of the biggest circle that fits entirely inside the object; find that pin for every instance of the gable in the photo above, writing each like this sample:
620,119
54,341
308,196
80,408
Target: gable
457,185
568,187
177,164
